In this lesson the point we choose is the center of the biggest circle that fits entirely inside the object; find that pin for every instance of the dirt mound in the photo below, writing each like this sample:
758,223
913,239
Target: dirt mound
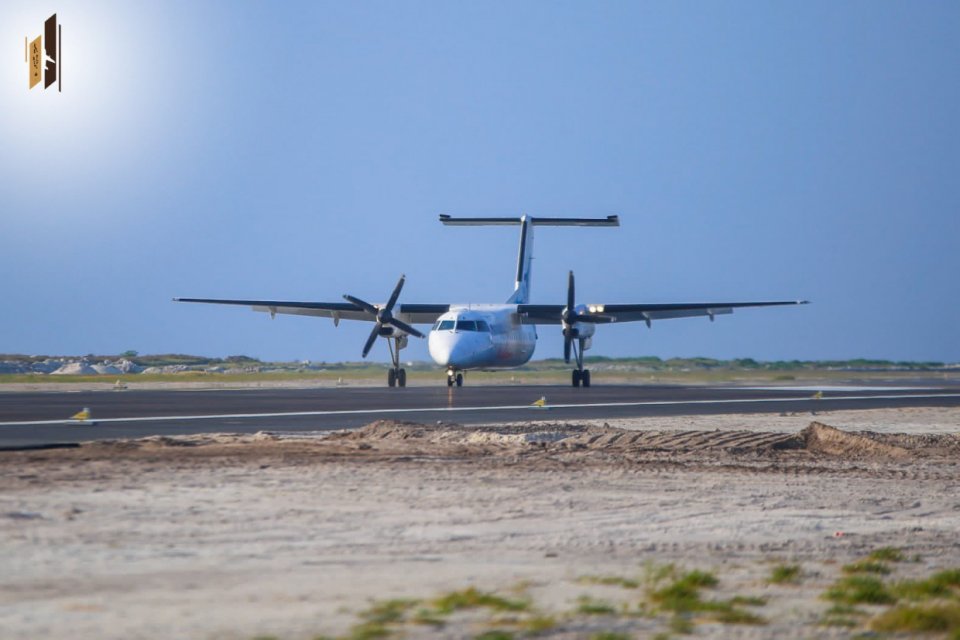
823,439
817,440
546,445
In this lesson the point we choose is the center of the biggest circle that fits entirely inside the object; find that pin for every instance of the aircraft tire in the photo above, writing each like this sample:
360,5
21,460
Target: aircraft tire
402,378
585,378
459,379
449,381
575,378
391,378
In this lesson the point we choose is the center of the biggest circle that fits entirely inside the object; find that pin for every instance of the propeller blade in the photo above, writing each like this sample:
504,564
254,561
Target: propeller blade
570,292
566,349
371,339
396,293
366,306
403,326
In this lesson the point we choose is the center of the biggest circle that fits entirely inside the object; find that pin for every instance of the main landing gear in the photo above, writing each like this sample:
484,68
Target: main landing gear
580,375
396,377
454,377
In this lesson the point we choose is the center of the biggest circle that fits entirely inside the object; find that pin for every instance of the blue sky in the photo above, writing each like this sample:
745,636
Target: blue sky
303,151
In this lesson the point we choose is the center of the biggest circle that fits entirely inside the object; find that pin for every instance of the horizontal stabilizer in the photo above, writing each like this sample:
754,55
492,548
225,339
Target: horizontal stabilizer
609,221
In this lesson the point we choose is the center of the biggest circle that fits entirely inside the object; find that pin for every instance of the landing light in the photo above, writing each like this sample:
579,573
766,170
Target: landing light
596,308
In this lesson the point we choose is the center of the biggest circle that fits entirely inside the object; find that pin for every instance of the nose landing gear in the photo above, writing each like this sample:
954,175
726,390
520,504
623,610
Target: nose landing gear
454,377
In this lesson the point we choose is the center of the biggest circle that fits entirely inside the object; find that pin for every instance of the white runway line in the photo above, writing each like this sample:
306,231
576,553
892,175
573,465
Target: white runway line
586,405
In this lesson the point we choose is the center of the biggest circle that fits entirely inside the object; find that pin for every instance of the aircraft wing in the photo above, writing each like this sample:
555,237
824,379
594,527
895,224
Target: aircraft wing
409,313
551,313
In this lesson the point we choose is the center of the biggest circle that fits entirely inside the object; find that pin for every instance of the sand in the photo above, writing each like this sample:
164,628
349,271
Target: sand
293,536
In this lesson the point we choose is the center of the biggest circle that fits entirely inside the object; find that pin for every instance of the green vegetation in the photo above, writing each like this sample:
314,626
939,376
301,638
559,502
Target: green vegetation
940,585
471,598
785,574
592,607
939,618
859,589
388,611
675,598
495,634
694,370
682,596
887,554
369,631
538,624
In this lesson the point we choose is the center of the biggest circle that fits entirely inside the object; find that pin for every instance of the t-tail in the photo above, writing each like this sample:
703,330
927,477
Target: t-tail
521,288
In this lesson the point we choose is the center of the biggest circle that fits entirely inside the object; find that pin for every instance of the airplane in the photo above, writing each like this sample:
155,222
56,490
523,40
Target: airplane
466,337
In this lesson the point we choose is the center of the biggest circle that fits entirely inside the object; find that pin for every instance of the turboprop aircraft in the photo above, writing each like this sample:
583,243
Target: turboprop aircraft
468,337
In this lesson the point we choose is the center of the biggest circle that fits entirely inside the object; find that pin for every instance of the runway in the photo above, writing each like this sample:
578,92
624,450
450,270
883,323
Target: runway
43,419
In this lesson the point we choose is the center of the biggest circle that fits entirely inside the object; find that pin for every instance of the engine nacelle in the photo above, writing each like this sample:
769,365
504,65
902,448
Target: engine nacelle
584,329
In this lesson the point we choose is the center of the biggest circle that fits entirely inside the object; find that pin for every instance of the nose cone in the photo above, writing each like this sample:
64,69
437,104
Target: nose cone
449,349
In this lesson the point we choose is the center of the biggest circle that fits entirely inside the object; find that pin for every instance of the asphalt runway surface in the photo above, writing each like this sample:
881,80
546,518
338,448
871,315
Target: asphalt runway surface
37,419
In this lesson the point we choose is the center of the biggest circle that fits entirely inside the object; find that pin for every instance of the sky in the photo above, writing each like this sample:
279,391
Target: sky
753,150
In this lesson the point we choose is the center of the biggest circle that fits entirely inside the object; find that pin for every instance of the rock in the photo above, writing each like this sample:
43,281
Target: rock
106,369
75,369
125,366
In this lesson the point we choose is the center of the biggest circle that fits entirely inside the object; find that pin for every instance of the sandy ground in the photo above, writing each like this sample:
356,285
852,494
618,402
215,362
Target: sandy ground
293,537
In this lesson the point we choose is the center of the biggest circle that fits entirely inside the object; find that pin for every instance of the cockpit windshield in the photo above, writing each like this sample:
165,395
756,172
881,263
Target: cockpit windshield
462,325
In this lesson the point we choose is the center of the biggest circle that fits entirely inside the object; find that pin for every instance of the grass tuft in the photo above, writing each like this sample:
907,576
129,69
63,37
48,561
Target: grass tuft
428,617
388,611
610,635
940,585
591,607
369,631
919,619
538,624
859,589
682,596
495,634
785,574
472,598
887,554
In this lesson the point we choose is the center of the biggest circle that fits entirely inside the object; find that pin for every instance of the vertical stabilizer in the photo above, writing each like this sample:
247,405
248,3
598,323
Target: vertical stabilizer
521,287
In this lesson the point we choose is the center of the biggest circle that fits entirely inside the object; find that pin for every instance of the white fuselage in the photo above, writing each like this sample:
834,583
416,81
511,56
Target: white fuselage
488,336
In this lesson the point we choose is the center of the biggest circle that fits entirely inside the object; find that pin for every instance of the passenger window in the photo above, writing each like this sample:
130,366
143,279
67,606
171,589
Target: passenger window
466,325
445,325
483,326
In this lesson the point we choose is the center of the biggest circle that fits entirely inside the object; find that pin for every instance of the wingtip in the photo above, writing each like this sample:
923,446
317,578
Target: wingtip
803,302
